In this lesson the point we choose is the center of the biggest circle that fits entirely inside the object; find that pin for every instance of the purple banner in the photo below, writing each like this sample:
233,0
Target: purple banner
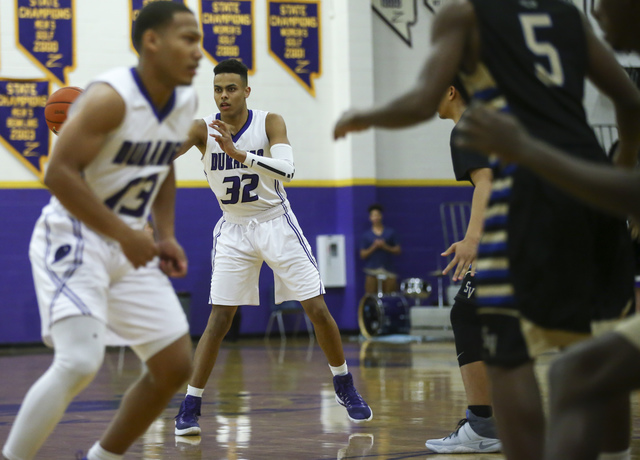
294,38
23,129
134,10
45,33
227,30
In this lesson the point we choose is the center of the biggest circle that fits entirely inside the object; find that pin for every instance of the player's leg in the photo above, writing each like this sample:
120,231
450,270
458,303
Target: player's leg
477,431
144,401
206,353
234,281
79,351
296,277
326,329
583,383
518,408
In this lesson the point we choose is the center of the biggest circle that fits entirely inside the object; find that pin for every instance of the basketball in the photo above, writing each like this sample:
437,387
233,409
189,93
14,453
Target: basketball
55,110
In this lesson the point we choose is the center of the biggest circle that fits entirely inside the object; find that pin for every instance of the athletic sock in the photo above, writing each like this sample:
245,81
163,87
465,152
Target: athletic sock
193,391
339,370
98,453
481,411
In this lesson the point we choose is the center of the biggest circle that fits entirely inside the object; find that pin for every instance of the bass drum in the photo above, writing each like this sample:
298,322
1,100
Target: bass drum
384,315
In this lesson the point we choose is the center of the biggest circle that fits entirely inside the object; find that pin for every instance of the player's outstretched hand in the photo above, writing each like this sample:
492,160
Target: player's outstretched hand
464,255
223,138
138,246
173,261
489,131
348,123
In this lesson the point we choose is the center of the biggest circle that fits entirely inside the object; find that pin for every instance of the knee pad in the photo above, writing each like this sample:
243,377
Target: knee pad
467,332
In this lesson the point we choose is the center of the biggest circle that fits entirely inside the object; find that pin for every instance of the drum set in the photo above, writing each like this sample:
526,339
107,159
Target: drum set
384,314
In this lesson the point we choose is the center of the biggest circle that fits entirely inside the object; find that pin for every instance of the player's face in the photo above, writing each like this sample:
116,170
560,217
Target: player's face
179,48
230,93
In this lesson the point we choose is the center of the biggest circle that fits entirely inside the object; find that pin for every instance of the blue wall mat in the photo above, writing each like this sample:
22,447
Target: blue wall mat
412,211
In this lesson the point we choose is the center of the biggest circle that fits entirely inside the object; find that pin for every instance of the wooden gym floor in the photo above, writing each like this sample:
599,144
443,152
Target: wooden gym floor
273,400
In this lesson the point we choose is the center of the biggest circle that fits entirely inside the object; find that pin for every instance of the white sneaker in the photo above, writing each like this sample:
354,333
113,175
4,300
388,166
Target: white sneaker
464,440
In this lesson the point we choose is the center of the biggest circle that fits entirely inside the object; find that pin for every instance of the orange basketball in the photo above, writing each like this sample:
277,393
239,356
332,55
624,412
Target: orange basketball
55,111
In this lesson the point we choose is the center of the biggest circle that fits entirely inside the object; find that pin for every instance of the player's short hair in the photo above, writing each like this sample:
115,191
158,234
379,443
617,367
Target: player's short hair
233,66
376,207
457,84
155,16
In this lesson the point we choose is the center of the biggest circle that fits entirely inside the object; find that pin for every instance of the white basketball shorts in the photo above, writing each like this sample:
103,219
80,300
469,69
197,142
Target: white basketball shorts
241,245
78,272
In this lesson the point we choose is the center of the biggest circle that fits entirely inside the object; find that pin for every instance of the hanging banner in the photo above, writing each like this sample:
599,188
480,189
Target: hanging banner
134,10
23,129
227,30
294,38
45,33
398,14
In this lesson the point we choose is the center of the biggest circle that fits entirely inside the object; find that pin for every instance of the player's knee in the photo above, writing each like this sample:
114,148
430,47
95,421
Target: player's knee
569,377
221,317
173,375
317,310
81,364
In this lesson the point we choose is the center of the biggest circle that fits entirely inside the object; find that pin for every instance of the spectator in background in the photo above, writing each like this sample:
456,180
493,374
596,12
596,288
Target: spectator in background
377,247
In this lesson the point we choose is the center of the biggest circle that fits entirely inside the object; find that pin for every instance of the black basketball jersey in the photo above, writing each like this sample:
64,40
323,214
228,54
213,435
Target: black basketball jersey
464,160
536,53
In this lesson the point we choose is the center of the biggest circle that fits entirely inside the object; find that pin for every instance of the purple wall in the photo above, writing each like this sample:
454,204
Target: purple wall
412,211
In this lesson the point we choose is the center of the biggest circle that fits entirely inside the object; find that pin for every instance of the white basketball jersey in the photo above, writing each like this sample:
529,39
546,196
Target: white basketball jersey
135,159
242,191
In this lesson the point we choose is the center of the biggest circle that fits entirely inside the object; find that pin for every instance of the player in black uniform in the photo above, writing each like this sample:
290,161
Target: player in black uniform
477,431
543,270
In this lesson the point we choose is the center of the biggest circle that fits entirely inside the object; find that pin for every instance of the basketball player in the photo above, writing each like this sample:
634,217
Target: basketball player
246,156
378,245
98,274
477,431
584,378
547,264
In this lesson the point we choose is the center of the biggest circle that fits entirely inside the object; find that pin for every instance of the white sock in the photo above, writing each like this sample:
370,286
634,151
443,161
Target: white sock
623,455
79,350
98,453
339,370
193,391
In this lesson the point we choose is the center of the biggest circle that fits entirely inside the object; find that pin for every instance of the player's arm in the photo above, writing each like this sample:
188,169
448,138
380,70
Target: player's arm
100,110
466,251
173,260
610,78
280,166
609,188
197,137
450,40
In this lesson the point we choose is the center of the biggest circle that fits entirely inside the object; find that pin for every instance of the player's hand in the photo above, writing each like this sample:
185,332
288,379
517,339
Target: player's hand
465,253
224,137
491,132
378,243
348,123
138,247
173,261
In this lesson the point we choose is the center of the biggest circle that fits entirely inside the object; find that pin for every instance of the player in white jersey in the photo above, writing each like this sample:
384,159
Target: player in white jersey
98,275
246,156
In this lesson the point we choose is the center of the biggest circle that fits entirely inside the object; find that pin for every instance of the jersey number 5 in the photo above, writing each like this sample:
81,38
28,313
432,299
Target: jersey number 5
529,23
248,183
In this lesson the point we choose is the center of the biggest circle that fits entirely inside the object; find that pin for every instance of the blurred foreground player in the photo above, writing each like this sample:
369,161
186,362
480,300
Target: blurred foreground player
100,278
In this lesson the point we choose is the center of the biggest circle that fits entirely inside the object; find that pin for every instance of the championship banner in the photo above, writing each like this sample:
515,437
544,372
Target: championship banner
294,38
134,10
45,33
227,30
398,14
23,129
